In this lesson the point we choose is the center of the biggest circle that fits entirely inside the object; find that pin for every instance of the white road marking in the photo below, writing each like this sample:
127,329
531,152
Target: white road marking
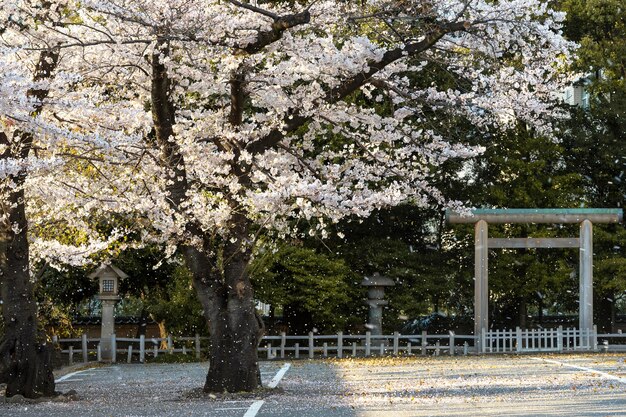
254,408
279,376
71,374
69,380
583,368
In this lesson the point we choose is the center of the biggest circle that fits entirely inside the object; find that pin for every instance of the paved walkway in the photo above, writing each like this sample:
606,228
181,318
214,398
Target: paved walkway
574,385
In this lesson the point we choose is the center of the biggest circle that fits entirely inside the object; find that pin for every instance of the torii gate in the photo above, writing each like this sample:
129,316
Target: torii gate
482,217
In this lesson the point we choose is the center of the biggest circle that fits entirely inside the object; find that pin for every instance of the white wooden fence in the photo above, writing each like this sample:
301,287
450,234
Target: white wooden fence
342,345
540,340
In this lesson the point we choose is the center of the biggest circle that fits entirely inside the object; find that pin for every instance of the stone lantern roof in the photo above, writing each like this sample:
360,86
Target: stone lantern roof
106,269
377,280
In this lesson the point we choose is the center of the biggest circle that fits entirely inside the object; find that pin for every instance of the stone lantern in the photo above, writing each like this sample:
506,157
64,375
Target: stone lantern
375,298
108,277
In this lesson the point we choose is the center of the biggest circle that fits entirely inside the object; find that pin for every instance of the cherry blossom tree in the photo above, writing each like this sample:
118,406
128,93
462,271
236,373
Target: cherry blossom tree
242,120
36,143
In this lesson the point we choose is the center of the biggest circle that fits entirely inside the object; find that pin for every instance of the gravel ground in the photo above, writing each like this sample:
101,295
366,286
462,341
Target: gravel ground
433,386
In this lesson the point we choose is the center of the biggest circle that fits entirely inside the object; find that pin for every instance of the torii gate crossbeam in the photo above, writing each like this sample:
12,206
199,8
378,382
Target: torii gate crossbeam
481,219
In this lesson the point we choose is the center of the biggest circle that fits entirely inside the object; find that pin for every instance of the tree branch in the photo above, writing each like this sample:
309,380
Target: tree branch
295,121
280,25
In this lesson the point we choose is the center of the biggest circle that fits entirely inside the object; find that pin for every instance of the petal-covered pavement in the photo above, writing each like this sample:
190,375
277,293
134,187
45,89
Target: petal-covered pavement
555,385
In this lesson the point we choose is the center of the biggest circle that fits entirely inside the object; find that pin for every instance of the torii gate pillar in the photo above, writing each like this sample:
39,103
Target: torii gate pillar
585,317
481,278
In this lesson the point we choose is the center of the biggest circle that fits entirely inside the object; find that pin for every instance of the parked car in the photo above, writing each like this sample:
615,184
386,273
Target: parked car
438,324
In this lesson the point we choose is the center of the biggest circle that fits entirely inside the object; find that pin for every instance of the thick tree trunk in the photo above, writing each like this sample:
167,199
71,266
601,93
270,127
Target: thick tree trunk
234,326
25,359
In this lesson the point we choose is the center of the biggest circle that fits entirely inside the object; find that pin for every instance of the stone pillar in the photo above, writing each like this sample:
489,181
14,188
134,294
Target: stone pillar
375,299
108,328
585,320
481,287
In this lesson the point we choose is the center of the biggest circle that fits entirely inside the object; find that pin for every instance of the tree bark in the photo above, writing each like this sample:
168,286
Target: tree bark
25,357
227,297
25,361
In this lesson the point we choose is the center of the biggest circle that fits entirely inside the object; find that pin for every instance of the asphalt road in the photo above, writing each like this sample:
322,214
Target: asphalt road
573,385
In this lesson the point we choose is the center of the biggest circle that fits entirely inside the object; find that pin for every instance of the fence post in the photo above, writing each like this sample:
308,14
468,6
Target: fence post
130,354
340,345
594,338
325,353
382,348
283,342
353,349
424,343
368,343
99,353
396,343
518,339
170,344
142,348
483,337
84,346
55,339
297,349
184,350
437,348
408,349
311,346
71,355
197,346
113,349
156,350
465,348
451,343
269,350
559,339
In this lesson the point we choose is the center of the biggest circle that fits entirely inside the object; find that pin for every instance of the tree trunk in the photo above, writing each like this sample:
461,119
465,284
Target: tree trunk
235,328
25,360
162,334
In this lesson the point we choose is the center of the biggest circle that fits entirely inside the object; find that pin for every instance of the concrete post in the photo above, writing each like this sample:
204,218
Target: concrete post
311,345
84,348
481,282
107,329
340,345
142,348
113,348
283,343
586,276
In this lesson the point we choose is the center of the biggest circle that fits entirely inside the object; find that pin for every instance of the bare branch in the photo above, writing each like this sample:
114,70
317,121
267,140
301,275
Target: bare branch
255,9
280,25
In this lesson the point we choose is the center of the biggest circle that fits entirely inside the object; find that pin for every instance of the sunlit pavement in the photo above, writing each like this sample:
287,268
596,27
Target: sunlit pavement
555,385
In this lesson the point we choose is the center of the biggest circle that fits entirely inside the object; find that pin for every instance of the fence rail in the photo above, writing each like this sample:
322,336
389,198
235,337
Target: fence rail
343,345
